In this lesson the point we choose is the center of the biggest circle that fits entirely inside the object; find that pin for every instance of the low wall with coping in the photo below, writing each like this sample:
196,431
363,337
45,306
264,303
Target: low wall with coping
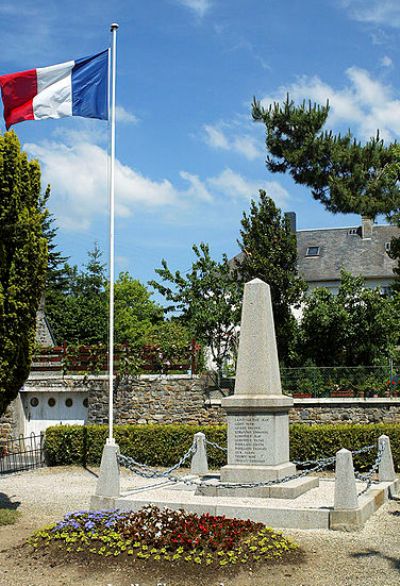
186,399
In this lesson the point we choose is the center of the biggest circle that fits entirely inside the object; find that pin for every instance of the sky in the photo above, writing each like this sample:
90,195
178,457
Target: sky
189,156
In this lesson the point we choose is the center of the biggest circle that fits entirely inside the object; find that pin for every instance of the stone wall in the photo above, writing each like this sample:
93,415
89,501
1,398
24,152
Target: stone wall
318,411
155,399
186,399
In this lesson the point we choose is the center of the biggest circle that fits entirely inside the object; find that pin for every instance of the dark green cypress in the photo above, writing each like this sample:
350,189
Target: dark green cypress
23,261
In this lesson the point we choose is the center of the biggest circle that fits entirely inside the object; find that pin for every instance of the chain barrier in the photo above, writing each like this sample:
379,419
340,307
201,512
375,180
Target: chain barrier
215,445
333,458
146,471
374,468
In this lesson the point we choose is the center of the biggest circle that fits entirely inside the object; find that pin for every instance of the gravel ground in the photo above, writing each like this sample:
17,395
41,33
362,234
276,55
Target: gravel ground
370,557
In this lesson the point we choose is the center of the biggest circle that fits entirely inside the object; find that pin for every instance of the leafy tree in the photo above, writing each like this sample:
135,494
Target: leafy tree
136,314
270,253
358,326
208,298
23,260
344,175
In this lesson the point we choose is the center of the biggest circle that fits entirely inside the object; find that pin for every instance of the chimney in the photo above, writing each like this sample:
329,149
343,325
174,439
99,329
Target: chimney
366,227
291,218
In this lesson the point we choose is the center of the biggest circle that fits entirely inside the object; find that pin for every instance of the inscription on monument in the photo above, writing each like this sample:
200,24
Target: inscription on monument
250,439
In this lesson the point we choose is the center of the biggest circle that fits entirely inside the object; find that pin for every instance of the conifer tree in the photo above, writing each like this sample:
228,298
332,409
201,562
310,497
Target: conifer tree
23,261
343,174
269,252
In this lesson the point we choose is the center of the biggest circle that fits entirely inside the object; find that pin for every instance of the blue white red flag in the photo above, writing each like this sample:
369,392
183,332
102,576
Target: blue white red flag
74,88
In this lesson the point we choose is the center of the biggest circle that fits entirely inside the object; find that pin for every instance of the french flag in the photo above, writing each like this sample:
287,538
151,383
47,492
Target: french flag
74,88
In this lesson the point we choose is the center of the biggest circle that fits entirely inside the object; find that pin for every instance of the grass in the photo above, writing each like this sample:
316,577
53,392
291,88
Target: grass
8,516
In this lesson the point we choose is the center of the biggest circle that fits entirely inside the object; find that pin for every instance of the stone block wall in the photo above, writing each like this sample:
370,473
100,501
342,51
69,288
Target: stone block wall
170,399
319,411
186,399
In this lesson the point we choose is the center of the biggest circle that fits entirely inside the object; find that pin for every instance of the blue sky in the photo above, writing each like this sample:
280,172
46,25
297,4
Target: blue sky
189,158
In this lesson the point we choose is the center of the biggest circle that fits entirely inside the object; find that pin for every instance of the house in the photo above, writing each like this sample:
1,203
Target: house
360,250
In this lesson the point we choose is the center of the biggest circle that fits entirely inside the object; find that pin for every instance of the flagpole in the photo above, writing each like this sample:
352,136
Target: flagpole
114,28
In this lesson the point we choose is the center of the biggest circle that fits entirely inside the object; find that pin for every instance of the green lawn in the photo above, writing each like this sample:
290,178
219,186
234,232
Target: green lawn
8,516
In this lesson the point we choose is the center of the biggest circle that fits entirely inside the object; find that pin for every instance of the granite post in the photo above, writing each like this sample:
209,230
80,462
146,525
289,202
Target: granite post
199,464
386,467
108,484
257,413
346,498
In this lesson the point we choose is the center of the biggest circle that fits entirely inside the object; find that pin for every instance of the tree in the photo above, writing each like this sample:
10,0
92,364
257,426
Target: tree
344,175
208,298
23,261
270,253
136,314
358,326
78,313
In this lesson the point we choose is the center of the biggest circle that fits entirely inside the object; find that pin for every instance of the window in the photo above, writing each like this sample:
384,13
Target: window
34,401
387,246
51,402
353,232
69,402
86,402
312,251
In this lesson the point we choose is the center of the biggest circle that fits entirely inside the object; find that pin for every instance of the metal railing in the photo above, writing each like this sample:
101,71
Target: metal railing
341,381
21,453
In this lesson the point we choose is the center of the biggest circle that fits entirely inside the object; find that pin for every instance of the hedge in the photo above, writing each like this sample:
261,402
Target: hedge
163,445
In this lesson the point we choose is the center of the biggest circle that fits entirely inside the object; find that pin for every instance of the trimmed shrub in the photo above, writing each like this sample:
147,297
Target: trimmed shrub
164,445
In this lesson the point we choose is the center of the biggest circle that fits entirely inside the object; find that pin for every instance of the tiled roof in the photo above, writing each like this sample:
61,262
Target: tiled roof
340,249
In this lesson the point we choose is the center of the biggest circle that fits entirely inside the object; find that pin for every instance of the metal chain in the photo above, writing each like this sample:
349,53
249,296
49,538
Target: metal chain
215,445
354,453
368,476
146,471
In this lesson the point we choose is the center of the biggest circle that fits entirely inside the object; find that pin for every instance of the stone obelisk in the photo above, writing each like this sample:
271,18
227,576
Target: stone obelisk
257,413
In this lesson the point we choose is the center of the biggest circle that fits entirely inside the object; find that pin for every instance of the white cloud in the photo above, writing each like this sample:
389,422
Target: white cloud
78,177
197,188
364,104
123,115
235,186
378,12
386,61
215,138
200,7
228,140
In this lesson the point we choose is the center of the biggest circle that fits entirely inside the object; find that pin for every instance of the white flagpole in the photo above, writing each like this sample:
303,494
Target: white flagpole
114,28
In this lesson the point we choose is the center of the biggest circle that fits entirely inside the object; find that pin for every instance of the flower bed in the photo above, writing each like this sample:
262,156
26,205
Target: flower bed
164,535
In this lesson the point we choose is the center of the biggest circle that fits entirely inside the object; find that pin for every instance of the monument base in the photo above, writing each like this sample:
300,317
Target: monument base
291,489
245,474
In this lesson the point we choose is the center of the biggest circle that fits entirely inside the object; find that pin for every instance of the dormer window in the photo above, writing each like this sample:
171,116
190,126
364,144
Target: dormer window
312,251
353,232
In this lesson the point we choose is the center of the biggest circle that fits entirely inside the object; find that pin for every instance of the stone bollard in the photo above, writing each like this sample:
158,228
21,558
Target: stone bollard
346,498
346,514
108,485
199,465
386,467
387,472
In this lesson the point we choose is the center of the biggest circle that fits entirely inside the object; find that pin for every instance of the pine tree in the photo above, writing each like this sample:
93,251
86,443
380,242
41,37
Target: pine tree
344,175
269,252
23,261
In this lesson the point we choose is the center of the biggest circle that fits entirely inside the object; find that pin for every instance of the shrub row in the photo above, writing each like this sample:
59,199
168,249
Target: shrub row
164,445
